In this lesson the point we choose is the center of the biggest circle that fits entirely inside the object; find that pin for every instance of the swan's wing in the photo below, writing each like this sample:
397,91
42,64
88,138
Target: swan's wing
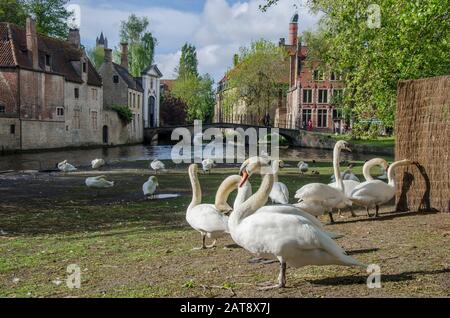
374,191
349,185
290,209
323,194
205,217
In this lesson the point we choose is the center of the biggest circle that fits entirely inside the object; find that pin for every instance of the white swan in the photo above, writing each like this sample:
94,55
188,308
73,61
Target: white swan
97,163
157,165
149,187
347,175
99,182
66,167
290,237
204,218
303,167
279,193
323,196
374,193
349,185
207,165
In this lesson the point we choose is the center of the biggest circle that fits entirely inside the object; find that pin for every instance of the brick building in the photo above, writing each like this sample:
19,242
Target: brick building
311,90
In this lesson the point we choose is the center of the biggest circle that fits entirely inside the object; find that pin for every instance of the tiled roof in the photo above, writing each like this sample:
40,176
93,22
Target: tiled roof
13,52
126,76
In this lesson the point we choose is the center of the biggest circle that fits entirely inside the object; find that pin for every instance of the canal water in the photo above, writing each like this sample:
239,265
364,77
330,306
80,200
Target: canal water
82,157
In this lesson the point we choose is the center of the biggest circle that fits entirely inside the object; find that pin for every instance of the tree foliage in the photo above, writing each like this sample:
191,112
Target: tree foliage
412,41
141,42
260,74
96,55
124,113
188,61
51,16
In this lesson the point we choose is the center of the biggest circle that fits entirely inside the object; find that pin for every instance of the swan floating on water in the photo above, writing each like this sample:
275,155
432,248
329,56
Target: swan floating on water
293,239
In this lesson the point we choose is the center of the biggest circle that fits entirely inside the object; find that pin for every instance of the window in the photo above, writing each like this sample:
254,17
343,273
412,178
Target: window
139,101
77,93
307,96
306,116
59,111
84,67
94,94
335,76
323,96
76,119
129,99
151,83
2,108
321,118
134,100
47,60
337,94
318,75
116,79
337,113
12,129
94,120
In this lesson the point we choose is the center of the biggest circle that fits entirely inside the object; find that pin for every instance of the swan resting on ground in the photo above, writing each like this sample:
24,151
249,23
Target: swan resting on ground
66,167
204,218
293,239
149,187
374,193
321,197
157,165
97,163
279,193
99,182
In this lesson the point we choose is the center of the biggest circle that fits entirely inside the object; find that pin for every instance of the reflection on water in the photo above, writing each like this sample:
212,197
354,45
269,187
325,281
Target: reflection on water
164,196
82,158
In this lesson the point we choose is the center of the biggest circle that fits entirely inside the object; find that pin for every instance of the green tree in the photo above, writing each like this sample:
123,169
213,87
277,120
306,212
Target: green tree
258,78
13,11
97,56
197,92
51,16
412,41
141,43
188,61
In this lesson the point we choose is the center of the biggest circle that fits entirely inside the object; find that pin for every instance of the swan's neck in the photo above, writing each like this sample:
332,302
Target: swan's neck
196,190
256,201
336,168
226,187
368,165
390,172
276,169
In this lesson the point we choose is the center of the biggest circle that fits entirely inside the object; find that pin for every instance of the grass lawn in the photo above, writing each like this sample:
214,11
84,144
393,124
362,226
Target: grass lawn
385,142
128,247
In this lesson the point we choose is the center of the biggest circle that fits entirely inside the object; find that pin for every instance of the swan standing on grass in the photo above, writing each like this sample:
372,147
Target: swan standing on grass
303,167
280,192
66,167
351,184
204,218
97,163
207,165
347,175
319,197
149,187
374,193
157,165
291,238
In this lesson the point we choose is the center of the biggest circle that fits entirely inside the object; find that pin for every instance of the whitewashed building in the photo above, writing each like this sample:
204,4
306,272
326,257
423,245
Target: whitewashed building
150,81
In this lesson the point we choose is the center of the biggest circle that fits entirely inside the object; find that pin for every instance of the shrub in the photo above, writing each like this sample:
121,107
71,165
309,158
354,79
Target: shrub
124,113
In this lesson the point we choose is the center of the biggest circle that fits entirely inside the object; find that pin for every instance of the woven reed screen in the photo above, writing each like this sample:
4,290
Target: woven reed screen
422,134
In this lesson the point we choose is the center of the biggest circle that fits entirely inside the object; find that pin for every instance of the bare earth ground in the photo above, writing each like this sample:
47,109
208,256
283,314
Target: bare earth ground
129,247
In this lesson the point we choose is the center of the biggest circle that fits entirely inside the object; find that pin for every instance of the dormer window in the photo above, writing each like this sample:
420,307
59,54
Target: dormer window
47,60
116,79
84,67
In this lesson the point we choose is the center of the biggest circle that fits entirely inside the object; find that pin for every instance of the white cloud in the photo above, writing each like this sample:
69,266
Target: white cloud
217,32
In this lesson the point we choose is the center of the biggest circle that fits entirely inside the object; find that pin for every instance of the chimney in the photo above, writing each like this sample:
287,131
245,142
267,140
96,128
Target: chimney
74,37
124,55
293,30
108,56
32,44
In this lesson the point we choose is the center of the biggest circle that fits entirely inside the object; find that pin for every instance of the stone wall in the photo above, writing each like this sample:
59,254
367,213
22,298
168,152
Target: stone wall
9,141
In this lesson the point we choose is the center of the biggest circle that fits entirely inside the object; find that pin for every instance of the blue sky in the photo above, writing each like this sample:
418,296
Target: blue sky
218,28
